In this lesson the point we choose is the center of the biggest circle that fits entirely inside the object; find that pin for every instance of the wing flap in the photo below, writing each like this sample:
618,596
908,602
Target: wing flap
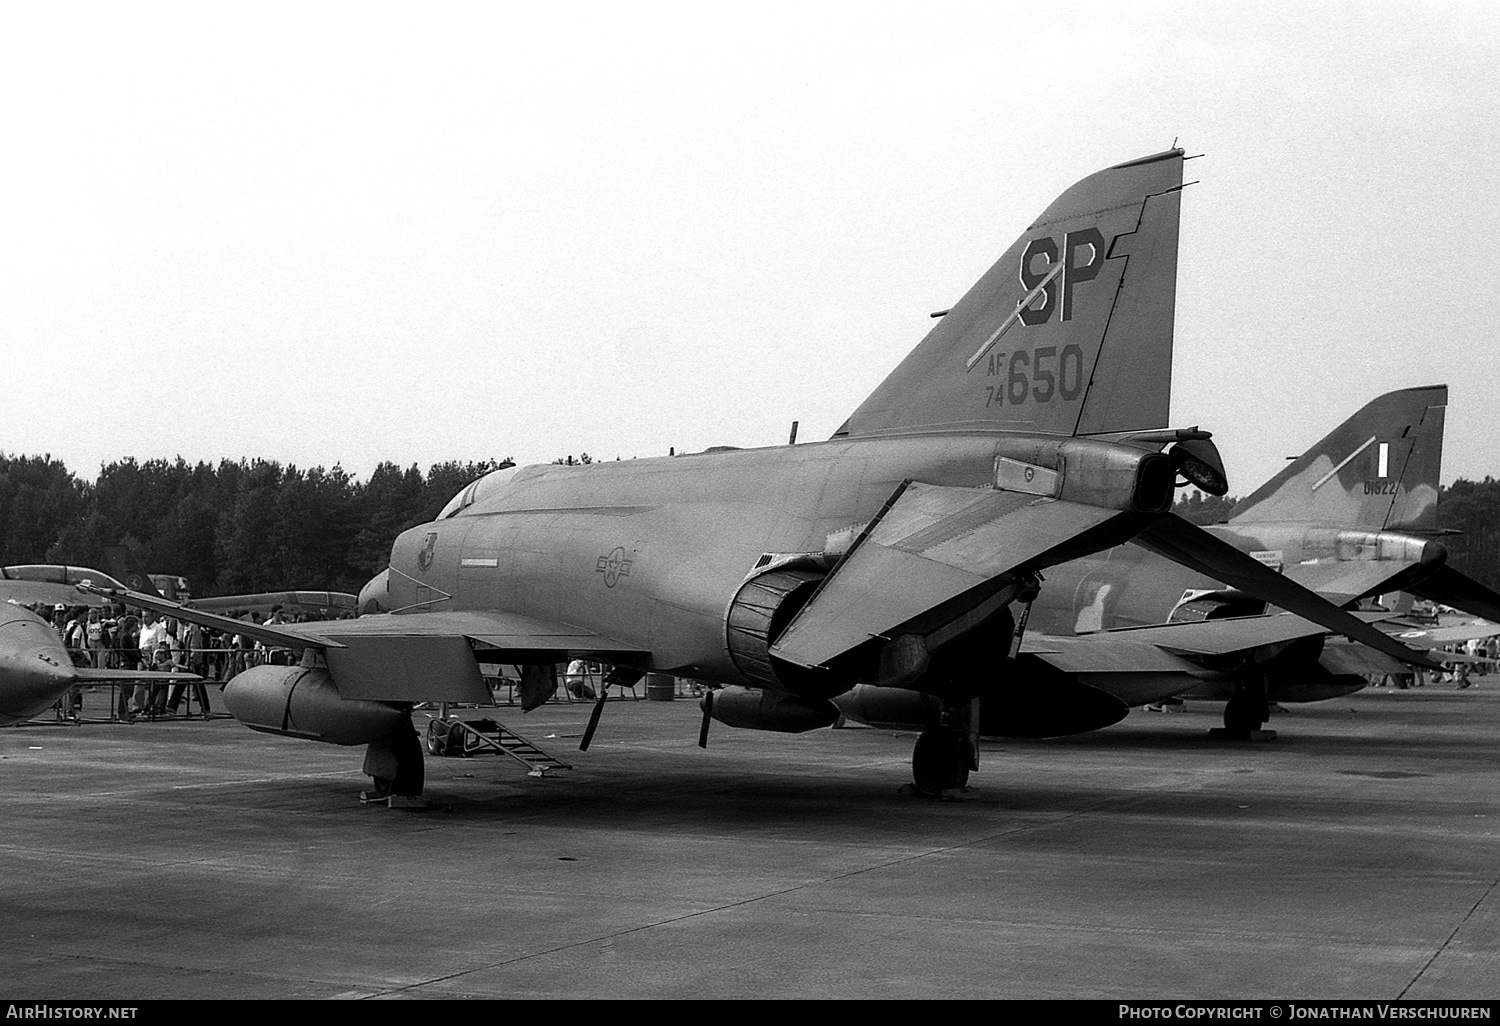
394,668
396,657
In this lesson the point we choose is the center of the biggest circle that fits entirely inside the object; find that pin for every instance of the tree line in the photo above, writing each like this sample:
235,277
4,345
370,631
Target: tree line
258,525
230,528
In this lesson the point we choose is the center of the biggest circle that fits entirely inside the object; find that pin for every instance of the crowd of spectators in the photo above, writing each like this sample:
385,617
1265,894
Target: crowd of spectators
115,638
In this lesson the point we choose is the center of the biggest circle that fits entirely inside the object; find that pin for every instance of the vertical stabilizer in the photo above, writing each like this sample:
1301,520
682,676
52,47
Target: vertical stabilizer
1377,470
122,564
1070,332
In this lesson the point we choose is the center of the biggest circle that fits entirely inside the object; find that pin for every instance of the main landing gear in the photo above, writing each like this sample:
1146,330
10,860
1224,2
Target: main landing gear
1246,712
948,749
394,765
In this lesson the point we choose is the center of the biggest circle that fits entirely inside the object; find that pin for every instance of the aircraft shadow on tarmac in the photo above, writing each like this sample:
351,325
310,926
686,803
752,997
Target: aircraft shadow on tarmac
1021,788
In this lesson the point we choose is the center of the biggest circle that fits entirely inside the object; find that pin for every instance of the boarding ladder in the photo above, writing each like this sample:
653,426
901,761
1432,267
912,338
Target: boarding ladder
463,738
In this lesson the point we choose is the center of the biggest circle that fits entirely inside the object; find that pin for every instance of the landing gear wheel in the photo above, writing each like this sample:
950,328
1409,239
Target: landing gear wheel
940,761
394,764
1244,713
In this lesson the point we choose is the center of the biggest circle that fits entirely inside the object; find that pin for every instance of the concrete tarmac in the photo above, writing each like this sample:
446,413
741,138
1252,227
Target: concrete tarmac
1356,856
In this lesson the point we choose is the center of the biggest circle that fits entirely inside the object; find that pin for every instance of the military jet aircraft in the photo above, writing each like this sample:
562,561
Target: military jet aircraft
124,566
1026,429
36,669
1354,516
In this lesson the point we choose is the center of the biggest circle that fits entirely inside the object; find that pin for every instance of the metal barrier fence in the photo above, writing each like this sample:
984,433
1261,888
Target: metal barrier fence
222,663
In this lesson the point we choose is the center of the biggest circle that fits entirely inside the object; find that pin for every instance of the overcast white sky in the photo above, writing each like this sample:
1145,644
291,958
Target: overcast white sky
349,233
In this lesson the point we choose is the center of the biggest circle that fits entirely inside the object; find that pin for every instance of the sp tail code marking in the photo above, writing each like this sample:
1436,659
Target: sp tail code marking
1082,254
1076,269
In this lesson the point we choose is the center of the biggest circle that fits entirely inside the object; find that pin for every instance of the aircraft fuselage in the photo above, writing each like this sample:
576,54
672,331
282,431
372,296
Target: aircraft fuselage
653,551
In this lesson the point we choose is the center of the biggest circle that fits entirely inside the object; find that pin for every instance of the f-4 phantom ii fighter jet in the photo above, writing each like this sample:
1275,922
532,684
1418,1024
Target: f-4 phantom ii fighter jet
1026,429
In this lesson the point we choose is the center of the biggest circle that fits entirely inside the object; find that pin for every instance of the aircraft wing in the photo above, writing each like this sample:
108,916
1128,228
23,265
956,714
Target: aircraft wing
1161,655
489,629
1451,634
30,593
508,633
1344,581
1456,589
1345,657
1217,637
1103,653
284,636
1146,664
291,601
931,544
1081,670
89,675
399,657
1171,536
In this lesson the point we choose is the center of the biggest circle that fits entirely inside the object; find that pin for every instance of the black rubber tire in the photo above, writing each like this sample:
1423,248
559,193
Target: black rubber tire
1244,714
939,762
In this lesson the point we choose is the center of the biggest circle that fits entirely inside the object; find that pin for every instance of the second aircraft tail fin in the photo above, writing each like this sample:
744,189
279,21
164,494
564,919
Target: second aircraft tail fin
1378,470
122,563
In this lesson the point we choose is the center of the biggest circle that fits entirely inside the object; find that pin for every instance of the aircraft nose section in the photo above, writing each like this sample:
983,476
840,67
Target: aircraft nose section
30,681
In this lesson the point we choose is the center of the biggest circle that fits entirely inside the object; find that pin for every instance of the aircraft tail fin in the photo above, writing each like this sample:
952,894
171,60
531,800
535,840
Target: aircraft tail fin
1378,470
1069,333
121,563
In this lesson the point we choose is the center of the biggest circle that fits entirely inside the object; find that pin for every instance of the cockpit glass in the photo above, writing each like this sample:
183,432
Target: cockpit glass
472,493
